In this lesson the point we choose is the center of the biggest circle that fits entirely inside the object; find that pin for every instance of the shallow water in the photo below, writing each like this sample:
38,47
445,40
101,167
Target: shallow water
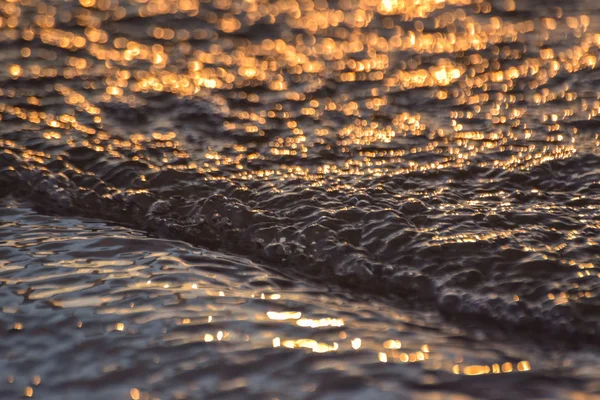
99,311
427,163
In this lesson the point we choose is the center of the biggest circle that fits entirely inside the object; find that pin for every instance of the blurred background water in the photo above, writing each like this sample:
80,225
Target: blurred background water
299,199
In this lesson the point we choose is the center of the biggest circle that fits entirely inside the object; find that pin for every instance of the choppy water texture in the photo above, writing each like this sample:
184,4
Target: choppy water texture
103,312
419,171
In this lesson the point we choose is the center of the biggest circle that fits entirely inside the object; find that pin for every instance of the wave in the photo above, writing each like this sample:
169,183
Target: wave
522,259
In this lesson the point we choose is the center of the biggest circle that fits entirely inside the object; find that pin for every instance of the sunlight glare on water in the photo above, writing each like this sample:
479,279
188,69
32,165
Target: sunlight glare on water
353,198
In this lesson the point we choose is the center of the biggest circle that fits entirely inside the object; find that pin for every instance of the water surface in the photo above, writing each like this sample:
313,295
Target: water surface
100,311
418,168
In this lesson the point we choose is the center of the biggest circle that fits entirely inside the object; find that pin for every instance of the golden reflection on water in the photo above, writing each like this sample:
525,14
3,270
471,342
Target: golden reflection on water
390,352
484,81
478,64
507,367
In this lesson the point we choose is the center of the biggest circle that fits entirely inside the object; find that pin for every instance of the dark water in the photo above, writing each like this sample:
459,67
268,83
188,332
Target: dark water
395,198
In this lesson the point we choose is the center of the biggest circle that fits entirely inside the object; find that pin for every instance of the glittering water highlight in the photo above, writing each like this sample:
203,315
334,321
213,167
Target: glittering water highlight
442,156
